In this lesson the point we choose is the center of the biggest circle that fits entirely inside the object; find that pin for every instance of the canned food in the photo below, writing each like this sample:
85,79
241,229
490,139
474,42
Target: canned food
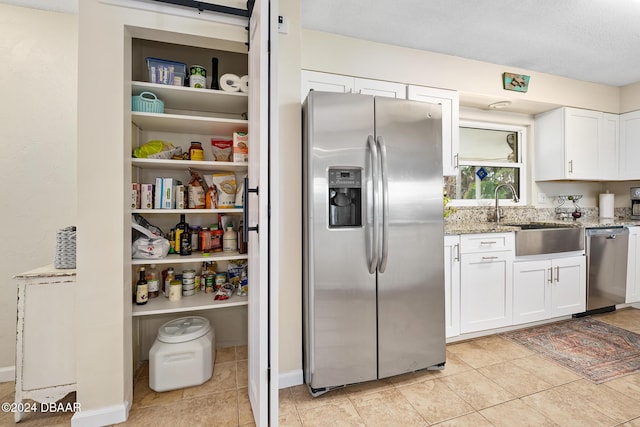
188,287
188,293
188,274
190,282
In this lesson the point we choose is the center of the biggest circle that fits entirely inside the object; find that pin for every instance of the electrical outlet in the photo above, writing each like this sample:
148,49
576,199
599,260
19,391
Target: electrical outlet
542,198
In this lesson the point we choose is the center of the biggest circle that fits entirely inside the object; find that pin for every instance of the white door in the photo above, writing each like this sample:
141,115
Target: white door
325,82
583,133
485,291
531,291
380,88
262,386
449,99
452,285
569,293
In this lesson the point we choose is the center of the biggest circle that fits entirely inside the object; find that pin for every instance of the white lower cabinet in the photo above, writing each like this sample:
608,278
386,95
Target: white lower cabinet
452,285
547,288
486,282
633,267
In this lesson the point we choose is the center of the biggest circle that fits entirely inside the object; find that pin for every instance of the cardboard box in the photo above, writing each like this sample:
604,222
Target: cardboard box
146,196
240,147
157,200
169,192
135,195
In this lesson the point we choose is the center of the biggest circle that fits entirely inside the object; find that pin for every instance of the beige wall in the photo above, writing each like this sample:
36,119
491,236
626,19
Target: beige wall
345,55
290,267
38,53
630,98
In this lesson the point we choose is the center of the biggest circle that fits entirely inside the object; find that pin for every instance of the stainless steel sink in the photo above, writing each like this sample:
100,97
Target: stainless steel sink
537,239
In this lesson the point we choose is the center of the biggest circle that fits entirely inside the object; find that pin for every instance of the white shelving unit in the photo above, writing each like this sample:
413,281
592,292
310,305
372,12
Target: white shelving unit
193,258
188,111
200,301
189,99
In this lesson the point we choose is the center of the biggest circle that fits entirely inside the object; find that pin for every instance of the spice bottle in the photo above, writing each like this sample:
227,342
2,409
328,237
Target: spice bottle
142,288
153,282
195,151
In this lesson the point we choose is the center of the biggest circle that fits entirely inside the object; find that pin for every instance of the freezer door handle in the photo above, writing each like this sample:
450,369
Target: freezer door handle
382,266
372,206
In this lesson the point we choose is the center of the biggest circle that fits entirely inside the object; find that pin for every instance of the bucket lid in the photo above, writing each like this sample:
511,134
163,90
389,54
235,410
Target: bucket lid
183,329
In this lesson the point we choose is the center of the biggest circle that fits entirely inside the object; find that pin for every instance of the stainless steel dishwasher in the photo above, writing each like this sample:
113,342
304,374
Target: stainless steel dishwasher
606,267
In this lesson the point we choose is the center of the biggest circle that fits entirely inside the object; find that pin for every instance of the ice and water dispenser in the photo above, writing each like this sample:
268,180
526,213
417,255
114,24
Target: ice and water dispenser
345,197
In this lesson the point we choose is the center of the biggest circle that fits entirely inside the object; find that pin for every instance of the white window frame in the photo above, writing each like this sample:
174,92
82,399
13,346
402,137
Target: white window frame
521,164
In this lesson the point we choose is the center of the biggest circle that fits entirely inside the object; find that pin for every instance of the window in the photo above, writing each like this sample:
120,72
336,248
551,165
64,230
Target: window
489,155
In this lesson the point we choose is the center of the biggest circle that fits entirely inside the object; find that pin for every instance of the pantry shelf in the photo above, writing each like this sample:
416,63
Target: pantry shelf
186,211
200,301
179,123
197,257
186,98
183,165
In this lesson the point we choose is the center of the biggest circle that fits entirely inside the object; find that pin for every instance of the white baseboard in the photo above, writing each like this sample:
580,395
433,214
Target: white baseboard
8,373
291,378
101,417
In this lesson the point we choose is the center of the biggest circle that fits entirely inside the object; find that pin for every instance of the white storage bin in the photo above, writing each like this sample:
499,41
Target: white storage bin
182,354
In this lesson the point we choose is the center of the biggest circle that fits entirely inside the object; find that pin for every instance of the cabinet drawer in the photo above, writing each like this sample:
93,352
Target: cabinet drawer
488,242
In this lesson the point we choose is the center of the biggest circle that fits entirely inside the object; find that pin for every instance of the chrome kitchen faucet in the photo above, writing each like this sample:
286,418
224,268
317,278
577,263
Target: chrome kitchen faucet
515,198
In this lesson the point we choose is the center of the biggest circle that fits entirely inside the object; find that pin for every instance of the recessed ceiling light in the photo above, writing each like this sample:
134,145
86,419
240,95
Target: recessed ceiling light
499,104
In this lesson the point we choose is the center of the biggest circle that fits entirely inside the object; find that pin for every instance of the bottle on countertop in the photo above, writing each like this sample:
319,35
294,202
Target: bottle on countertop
153,281
142,288
230,239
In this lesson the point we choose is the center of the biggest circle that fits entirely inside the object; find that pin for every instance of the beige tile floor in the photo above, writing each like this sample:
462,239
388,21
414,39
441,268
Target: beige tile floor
487,381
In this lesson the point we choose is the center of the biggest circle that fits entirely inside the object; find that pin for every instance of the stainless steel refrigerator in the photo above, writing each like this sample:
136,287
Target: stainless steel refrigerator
373,258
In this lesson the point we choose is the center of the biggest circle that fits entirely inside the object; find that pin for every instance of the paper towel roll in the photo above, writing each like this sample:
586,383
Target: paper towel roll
230,83
244,84
606,205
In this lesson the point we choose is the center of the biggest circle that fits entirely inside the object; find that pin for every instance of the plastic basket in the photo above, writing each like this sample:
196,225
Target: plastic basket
147,102
65,248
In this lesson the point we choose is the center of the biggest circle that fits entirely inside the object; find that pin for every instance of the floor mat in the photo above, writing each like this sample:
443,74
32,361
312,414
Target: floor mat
595,350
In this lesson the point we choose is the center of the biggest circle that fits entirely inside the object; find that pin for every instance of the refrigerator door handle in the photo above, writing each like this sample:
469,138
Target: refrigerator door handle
382,266
372,206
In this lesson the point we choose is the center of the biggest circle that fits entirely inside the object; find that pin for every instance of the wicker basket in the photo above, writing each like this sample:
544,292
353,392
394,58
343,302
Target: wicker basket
65,248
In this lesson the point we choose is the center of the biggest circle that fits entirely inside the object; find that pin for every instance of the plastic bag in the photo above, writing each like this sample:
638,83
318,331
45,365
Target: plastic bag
157,149
148,245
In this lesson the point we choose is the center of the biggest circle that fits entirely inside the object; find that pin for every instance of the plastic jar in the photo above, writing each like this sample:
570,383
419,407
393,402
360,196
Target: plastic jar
195,151
175,290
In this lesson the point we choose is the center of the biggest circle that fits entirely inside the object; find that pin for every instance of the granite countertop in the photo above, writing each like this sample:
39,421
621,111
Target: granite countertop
472,227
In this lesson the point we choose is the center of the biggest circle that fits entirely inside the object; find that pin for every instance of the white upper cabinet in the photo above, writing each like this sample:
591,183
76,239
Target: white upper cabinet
450,102
380,88
313,80
576,144
325,82
630,145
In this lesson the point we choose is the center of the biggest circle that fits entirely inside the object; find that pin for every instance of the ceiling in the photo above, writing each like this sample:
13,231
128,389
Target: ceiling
595,40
